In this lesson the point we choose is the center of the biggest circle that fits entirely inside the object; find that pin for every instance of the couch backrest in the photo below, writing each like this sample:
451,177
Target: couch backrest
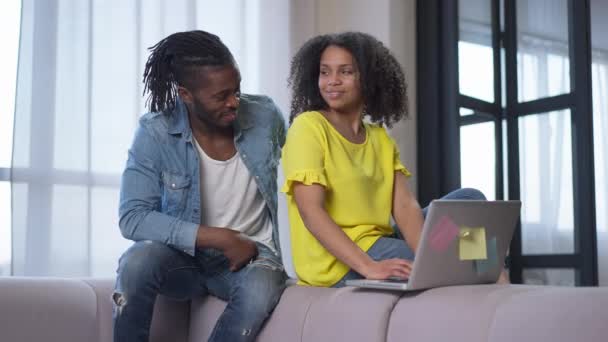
311,314
59,310
47,309
498,313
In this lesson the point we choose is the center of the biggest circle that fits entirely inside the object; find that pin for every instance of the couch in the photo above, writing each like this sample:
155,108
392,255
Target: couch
50,309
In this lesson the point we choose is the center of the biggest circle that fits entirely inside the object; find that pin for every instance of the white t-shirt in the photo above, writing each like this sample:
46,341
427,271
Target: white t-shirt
230,198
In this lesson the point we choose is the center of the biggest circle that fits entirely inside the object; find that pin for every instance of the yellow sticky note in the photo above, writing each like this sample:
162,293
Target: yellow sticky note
472,243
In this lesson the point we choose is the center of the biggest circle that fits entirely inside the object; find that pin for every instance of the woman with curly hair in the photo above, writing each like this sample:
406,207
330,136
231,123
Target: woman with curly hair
344,178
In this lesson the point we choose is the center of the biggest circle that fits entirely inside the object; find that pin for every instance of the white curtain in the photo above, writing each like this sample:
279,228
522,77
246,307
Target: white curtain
78,100
599,71
545,144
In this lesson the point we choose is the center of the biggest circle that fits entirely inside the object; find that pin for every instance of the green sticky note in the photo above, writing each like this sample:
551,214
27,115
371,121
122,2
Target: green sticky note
472,244
484,266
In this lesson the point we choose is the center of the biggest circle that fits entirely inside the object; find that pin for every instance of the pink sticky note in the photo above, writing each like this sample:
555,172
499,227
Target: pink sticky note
443,233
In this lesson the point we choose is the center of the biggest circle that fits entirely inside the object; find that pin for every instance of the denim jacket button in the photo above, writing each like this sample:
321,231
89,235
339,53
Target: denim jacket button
173,185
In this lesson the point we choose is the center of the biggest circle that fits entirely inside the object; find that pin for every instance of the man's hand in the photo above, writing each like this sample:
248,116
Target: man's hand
238,249
389,268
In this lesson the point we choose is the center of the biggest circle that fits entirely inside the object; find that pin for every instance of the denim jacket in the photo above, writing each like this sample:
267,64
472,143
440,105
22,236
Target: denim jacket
160,189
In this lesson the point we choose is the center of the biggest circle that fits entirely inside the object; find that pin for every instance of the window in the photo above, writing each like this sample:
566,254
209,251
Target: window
79,95
599,75
10,18
516,63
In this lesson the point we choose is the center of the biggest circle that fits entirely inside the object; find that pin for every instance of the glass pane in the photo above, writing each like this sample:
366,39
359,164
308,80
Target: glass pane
71,120
549,276
19,230
107,244
115,104
545,152
69,231
466,111
599,76
475,59
5,228
543,65
502,15
503,79
478,158
505,161
10,18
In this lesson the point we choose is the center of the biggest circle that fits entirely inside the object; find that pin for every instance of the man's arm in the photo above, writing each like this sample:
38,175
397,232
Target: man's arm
238,249
406,211
310,200
140,199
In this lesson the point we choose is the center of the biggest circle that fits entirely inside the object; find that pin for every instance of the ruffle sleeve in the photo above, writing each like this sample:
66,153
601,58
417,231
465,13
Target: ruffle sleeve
306,177
399,167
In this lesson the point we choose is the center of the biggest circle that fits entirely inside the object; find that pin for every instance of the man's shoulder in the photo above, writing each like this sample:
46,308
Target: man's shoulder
156,121
260,107
256,100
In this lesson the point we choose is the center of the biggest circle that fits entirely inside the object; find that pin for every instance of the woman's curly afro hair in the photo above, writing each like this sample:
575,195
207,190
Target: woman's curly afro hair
382,80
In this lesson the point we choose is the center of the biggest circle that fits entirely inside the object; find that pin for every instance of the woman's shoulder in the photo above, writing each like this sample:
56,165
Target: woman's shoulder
311,116
377,131
310,120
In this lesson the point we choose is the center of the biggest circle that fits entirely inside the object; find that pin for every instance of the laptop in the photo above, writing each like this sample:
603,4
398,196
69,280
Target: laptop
462,243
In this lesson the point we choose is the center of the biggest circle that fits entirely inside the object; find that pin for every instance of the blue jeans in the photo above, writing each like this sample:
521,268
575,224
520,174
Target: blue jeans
395,245
150,268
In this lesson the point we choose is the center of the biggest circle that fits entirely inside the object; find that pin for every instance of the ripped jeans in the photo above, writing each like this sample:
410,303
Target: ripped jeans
150,268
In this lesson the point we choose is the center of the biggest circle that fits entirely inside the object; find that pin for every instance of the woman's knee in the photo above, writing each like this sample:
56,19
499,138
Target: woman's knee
474,194
466,194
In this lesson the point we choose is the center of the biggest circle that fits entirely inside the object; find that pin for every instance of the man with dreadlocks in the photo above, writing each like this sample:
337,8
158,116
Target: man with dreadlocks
198,193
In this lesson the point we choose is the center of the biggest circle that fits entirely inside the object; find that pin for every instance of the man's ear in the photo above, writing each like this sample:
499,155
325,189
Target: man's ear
185,95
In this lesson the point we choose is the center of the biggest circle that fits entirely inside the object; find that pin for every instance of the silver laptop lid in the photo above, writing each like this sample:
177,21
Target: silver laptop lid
451,237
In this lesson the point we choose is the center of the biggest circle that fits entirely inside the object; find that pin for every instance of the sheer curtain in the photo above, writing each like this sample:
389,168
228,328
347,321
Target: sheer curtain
545,138
599,68
78,100
546,145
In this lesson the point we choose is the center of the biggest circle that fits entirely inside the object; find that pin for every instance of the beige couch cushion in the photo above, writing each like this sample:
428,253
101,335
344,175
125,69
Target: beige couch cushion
53,310
552,314
499,313
311,314
169,323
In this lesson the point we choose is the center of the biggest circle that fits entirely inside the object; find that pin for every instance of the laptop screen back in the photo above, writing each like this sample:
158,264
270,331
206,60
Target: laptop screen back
463,242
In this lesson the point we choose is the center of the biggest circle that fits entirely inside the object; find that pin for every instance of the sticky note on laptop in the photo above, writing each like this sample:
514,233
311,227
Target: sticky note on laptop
483,266
443,233
472,243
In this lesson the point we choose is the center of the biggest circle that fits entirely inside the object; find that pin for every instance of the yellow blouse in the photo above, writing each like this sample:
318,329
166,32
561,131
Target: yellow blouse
358,181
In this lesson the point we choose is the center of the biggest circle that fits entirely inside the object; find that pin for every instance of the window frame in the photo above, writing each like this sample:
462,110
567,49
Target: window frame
440,100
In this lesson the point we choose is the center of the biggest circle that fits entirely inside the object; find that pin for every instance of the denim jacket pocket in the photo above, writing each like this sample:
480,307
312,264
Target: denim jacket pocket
175,191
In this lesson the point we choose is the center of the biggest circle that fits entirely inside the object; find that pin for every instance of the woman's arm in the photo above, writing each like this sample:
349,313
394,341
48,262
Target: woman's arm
406,211
310,200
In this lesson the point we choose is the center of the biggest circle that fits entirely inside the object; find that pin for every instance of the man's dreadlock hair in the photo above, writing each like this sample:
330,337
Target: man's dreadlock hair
173,61
381,79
